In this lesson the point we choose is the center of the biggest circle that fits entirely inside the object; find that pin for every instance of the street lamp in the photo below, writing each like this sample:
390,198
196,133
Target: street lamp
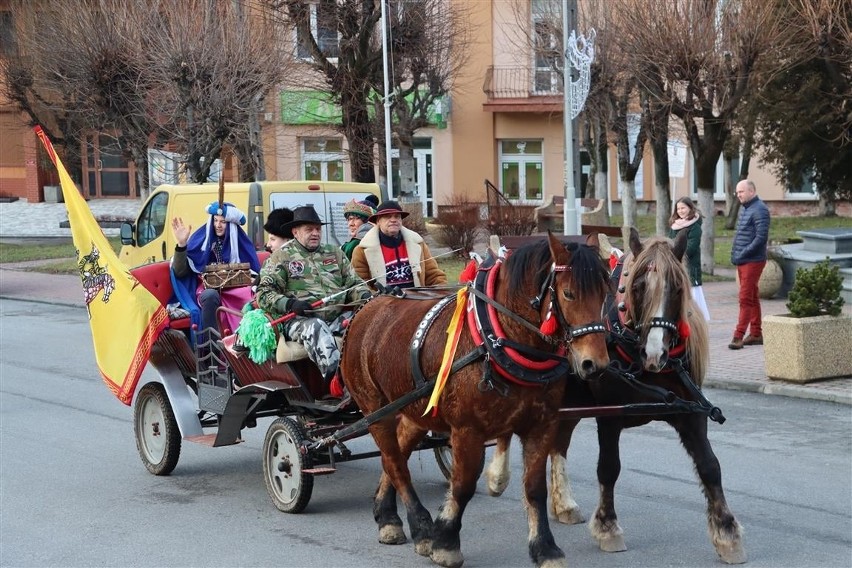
579,53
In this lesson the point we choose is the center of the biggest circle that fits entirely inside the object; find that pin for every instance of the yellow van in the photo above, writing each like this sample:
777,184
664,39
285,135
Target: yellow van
150,238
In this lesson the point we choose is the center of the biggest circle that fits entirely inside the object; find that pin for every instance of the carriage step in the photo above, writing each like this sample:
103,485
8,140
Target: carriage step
206,439
319,470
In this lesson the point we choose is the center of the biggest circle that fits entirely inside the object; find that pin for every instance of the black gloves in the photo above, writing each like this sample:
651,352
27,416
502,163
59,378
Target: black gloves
298,307
366,295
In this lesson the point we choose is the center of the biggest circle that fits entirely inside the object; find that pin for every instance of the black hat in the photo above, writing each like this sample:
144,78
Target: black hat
276,220
305,215
388,208
372,200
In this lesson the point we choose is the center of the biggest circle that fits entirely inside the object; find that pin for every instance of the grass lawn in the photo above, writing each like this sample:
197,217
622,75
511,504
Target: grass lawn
781,230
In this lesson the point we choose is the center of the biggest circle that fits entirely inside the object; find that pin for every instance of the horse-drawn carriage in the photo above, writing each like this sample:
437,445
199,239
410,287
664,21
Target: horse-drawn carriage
209,392
532,319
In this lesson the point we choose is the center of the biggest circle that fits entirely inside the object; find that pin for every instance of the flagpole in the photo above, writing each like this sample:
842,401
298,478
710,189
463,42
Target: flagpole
387,104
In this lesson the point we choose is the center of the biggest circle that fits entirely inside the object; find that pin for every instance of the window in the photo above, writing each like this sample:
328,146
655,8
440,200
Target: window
322,159
152,220
323,22
546,49
806,188
521,171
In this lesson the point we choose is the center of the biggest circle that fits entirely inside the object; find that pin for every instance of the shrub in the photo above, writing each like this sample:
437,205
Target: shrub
415,221
816,291
460,225
518,220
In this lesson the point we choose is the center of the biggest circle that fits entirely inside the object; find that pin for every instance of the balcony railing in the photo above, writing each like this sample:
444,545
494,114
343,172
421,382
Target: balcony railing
521,82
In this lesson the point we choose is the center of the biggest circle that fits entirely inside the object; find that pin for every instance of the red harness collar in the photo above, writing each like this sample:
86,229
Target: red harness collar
476,334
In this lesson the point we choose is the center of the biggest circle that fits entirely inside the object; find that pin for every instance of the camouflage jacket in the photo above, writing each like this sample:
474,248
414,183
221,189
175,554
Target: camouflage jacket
294,272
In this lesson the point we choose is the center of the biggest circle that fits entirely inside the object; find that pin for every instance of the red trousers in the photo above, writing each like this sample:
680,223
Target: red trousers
750,316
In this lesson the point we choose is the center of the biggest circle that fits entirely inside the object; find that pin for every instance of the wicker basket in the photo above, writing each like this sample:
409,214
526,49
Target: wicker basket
220,276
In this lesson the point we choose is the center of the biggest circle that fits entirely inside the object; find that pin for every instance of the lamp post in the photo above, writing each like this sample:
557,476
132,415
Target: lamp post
387,103
569,209
579,53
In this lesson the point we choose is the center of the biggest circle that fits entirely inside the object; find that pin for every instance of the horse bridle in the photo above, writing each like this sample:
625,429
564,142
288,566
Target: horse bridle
637,328
570,333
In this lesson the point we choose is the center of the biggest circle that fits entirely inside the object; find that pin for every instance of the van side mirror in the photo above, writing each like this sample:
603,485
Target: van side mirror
126,232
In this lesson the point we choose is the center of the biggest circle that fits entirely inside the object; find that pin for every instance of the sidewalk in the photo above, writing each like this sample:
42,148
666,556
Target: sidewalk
733,370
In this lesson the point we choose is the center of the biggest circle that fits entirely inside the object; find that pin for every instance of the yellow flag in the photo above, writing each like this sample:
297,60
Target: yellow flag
124,316
453,334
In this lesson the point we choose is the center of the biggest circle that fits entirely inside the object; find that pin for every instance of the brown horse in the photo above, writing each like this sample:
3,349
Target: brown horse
481,400
655,328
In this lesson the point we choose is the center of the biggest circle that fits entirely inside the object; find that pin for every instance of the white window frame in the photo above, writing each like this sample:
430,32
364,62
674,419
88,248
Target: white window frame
324,158
522,159
540,11
314,7
812,195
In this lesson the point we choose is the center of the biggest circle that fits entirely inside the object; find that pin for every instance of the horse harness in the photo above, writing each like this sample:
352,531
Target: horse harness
624,340
625,337
513,362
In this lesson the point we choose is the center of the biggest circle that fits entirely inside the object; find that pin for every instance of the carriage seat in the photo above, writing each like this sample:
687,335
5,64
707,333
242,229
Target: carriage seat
288,351
156,278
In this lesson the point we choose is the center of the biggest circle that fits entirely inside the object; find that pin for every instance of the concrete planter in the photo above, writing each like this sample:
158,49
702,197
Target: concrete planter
807,349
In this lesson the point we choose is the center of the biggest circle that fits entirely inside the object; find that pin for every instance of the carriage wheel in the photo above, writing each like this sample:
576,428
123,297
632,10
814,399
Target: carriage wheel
444,457
288,485
157,433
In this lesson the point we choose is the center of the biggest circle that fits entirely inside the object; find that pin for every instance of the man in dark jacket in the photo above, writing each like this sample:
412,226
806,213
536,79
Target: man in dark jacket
748,254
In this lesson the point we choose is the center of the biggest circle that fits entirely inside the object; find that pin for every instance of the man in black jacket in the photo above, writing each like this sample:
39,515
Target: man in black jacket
748,254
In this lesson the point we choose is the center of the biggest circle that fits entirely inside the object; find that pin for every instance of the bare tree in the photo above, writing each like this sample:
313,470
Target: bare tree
102,68
340,42
616,99
705,51
211,68
188,73
81,61
429,45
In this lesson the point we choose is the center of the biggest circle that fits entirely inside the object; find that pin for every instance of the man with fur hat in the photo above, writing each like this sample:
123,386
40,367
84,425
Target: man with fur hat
221,241
356,214
299,274
394,255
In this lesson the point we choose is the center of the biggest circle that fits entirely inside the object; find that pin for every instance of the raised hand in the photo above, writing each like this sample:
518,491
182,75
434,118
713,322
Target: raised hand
181,231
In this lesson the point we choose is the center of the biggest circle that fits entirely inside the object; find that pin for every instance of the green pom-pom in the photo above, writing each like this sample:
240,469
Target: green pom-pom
256,334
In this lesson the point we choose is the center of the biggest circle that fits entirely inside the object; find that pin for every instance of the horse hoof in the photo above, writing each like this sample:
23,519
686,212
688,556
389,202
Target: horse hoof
392,534
733,554
572,517
447,558
553,563
424,547
613,544
496,487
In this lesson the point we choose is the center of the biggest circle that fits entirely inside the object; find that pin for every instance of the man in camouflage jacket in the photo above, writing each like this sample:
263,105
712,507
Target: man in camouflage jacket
302,272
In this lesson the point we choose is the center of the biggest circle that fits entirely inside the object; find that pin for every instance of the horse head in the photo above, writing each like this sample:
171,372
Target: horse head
657,296
578,289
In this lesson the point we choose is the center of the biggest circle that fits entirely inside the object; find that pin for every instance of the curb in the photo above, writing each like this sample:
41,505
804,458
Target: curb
42,301
791,391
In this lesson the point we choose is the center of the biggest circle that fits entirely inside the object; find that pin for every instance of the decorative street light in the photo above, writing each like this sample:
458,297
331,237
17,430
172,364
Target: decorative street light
579,53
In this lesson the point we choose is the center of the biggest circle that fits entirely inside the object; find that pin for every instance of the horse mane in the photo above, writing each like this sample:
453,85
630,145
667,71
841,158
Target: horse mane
587,268
657,251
